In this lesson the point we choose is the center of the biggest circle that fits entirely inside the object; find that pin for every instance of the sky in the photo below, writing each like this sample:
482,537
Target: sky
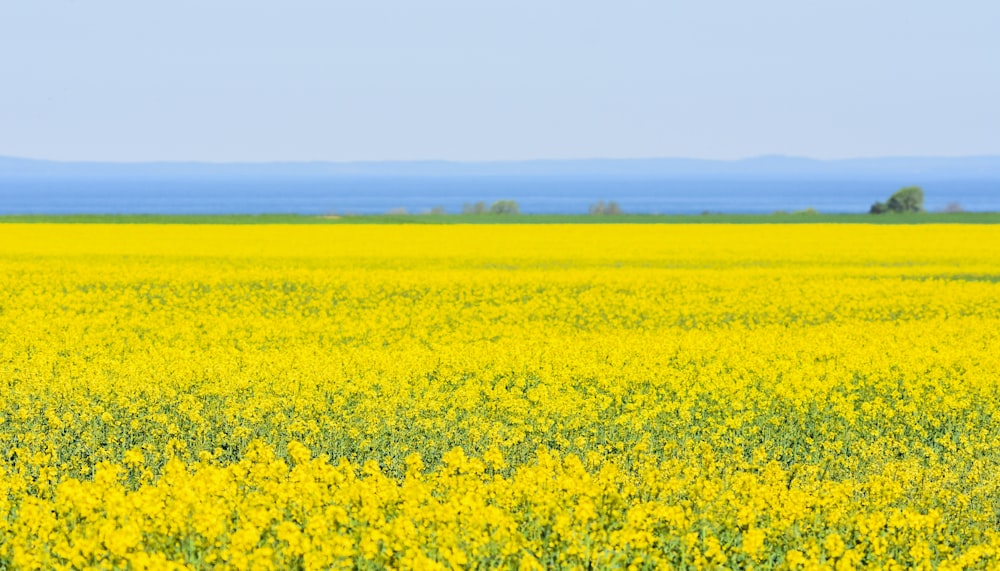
324,80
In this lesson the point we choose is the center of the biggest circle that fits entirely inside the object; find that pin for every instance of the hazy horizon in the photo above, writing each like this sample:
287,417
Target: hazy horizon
679,186
583,159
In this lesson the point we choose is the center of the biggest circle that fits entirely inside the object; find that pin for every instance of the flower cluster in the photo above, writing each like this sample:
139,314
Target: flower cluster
599,396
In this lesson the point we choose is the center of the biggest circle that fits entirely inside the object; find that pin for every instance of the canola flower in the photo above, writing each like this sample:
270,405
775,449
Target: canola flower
459,397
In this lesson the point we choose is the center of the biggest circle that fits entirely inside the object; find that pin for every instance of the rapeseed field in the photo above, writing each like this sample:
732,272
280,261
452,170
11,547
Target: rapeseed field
515,397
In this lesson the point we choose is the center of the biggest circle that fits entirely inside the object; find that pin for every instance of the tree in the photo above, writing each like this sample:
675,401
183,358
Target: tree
505,207
909,199
602,208
476,208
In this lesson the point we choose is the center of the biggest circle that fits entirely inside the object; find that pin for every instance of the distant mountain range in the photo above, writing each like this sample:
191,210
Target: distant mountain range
913,170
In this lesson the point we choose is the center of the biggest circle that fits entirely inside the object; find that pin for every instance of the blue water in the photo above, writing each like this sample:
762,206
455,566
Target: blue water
540,195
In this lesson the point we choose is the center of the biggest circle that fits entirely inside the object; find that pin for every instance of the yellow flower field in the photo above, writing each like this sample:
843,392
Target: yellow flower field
499,396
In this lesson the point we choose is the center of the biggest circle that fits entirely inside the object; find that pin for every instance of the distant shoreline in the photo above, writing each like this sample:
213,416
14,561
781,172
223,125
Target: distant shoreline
652,186
910,168
245,219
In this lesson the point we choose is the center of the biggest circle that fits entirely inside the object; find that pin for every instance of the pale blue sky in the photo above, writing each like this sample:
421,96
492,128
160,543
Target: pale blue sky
221,80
